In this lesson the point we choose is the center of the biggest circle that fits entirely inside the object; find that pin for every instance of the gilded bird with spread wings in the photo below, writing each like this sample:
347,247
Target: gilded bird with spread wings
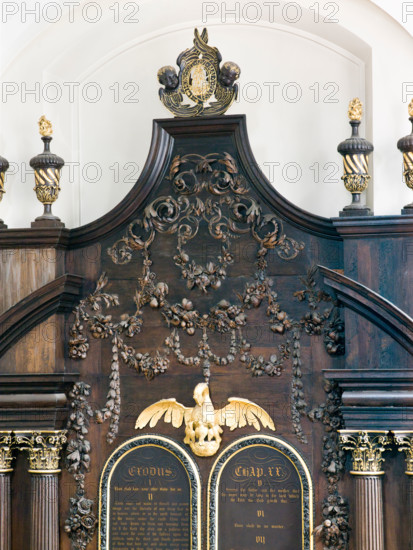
203,423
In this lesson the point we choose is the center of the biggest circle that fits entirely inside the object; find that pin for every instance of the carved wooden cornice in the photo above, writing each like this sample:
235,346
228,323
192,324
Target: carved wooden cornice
55,297
374,226
30,237
375,399
34,401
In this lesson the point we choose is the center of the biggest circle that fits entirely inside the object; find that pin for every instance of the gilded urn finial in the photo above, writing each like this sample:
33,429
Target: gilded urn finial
209,87
405,145
355,152
47,168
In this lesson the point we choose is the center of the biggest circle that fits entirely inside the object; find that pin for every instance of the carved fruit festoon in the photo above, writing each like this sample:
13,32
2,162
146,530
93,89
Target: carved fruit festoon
203,423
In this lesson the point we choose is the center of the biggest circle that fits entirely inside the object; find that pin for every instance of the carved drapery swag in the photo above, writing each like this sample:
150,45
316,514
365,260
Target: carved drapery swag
210,191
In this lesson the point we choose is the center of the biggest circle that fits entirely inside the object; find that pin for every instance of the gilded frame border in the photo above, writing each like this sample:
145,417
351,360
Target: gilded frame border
298,462
181,454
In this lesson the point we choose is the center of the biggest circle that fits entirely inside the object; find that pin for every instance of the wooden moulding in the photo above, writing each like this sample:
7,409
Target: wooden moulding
34,401
374,226
55,297
371,306
375,399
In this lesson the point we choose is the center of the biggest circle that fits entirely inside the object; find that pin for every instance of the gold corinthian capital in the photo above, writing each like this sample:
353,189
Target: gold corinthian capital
404,441
6,457
44,449
366,448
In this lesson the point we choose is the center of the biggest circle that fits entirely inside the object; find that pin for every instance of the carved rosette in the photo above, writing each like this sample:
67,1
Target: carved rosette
6,457
44,449
404,441
366,448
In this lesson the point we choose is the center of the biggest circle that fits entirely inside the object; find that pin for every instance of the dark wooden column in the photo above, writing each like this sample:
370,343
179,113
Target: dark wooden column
367,448
404,440
44,455
5,489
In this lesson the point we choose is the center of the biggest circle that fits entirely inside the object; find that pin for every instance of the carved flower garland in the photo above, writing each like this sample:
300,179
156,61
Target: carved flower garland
229,214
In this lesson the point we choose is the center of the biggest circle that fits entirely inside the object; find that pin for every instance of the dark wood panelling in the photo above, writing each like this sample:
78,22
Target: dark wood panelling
374,252
57,296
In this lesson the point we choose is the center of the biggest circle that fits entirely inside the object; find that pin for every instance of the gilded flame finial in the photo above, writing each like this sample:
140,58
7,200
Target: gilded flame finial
410,107
45,127
355,109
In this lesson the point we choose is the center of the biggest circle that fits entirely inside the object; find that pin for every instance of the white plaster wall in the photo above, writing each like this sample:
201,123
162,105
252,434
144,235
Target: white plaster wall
298,74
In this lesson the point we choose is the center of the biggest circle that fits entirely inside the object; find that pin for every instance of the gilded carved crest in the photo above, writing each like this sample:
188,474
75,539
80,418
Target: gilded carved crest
200,79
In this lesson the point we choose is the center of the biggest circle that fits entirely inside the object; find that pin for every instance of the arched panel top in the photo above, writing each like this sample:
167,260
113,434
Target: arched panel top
270,471
372,306
170,462
55,297
168,131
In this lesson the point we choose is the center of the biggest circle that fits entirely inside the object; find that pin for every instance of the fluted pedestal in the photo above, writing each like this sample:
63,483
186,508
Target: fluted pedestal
369,513
44,532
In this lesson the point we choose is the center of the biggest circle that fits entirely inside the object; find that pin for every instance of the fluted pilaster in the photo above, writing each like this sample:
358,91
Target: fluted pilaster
5,489
44,454
44,533
5,512
404,441
369,513
367,448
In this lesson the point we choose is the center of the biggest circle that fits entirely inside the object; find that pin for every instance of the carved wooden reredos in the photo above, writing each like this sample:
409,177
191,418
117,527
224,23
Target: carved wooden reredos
205,278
